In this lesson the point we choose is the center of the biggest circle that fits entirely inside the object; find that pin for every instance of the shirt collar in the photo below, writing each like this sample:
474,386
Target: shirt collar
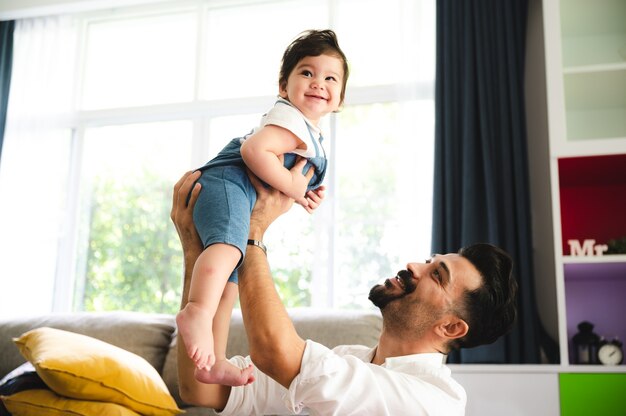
312,126
432,359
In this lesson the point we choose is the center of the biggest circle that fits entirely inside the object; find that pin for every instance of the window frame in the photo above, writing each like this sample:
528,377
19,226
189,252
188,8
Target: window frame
200,112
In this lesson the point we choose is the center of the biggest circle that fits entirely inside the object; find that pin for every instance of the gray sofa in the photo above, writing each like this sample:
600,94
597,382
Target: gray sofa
152,336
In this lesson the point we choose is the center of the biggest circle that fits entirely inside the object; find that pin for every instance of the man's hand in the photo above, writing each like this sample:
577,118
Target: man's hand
270,204
182,213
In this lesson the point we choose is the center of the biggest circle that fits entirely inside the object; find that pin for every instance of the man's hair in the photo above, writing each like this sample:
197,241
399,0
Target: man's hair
489,310
312,43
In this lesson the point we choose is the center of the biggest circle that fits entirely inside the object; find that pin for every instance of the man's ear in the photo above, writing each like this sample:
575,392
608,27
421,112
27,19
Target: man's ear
453,328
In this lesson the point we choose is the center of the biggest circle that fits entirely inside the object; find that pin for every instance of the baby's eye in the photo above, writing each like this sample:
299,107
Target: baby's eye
307,73
331,78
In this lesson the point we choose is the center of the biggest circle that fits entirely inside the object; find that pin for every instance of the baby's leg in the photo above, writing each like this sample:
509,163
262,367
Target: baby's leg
195,320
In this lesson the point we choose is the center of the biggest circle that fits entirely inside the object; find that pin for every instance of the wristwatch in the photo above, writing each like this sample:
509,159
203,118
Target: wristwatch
259,244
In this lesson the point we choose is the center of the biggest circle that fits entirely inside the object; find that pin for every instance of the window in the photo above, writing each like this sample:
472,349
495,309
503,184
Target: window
94,143
128,257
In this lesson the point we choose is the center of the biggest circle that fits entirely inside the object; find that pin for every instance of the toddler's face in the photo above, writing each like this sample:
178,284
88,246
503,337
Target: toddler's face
314,86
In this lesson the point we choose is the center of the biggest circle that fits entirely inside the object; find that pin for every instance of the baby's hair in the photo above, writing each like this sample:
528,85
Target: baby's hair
312,43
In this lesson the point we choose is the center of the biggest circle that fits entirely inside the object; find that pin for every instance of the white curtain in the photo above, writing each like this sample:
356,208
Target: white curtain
33,194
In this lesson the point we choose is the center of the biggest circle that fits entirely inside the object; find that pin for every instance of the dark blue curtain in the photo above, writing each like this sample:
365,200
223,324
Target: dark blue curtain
481,184
6,62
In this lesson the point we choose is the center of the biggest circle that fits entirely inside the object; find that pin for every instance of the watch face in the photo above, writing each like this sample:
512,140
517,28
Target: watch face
610,354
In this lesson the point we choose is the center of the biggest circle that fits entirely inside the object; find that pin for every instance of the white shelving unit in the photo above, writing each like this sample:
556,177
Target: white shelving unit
586,75
585,52
594,68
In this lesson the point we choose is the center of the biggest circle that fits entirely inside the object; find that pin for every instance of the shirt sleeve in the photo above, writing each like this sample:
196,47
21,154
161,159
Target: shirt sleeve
332,384
263,396
288,117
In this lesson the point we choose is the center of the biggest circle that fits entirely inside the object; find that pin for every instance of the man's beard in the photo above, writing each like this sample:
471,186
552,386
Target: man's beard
380,295
411,318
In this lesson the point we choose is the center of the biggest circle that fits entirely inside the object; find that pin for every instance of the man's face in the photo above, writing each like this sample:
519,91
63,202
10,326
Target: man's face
423,293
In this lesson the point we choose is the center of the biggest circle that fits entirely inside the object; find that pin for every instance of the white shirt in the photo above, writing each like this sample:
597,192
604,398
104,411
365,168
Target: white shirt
342,381
285,115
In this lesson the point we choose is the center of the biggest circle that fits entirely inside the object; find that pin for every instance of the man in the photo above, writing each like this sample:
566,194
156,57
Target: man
450,301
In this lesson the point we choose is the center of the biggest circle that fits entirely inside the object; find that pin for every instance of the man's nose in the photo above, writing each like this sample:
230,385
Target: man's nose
415,269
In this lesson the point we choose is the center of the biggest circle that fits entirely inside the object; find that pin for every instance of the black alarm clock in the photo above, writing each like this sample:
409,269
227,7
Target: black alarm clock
610,352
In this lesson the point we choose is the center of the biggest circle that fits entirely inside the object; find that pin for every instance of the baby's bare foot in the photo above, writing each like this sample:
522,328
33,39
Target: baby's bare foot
225,373
195,326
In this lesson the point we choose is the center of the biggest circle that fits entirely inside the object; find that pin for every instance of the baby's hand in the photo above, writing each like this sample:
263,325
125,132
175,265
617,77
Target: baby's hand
314,199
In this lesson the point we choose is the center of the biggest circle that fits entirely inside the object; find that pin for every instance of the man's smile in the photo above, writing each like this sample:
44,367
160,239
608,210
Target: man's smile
403,279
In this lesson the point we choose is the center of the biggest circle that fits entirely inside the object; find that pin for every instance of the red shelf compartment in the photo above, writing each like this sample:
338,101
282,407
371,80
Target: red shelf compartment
593,198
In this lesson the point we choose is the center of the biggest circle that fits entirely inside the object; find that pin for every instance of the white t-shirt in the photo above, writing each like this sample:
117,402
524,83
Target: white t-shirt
285,115
343,382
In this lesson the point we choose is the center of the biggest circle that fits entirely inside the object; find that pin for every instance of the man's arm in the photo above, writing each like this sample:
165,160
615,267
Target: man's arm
275,347
191,391
272,338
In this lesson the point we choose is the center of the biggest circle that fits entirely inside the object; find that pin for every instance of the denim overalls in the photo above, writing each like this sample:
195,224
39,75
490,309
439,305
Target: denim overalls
222,211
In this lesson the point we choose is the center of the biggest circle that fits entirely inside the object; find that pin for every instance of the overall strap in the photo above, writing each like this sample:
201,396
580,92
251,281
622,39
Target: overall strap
315,144
315,141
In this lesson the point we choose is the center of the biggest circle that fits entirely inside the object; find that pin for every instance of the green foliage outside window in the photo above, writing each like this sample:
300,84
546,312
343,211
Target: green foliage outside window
362,226
134,259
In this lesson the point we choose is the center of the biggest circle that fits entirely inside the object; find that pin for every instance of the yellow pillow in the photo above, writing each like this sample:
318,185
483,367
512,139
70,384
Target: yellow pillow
85,368
45,403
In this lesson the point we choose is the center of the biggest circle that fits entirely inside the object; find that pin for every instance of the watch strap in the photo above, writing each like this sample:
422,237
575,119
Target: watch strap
259,244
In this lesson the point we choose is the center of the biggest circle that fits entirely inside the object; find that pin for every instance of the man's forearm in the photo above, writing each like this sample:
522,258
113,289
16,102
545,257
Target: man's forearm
275,347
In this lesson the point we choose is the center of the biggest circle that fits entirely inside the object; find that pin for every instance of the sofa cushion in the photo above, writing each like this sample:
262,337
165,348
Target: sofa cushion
46,403
147,335
22,378
81,367
332,327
